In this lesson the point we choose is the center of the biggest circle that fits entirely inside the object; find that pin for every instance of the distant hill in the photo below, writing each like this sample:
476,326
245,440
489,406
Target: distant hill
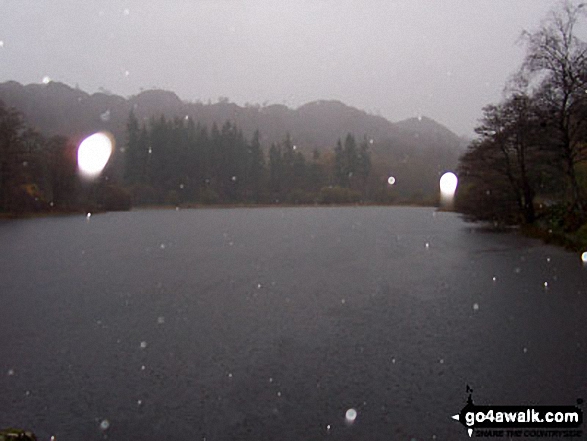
416,146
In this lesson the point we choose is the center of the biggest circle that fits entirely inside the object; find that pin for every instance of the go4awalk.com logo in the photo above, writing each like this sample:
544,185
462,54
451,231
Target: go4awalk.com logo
521,421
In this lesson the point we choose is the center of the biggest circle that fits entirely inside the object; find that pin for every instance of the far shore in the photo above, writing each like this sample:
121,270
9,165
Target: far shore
55,213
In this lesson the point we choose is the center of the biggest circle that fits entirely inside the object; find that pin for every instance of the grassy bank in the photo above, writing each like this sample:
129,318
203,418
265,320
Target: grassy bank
576,241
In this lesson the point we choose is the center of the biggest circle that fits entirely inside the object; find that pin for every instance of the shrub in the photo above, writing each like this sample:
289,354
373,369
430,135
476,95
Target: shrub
114,198
338,195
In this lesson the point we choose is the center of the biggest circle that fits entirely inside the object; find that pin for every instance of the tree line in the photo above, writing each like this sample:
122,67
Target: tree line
179,161
36,172
528,162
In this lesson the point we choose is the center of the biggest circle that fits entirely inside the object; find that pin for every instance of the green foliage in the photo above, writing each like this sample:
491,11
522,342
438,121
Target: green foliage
114,198
143,194
385,196
36,173
338,195
172,198
208,196
299,196
581,236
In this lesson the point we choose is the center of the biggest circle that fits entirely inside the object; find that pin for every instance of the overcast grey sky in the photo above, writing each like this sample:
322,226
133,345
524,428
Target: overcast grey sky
444,59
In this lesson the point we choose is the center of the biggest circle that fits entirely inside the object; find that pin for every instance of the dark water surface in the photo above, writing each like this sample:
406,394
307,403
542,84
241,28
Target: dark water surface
268,324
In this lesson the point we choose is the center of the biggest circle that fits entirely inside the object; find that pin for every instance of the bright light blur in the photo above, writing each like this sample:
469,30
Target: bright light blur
391,180
350,416
93,154
584,257
448,184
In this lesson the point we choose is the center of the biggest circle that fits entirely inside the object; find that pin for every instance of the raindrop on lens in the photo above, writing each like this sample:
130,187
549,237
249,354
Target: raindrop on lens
350,416
448,184
93,154
475,306
104,425
143,344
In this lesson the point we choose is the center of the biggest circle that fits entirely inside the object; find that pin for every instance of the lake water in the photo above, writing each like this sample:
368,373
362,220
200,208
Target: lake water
267,324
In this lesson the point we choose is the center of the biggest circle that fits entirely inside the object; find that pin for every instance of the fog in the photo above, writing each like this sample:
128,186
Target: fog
445,60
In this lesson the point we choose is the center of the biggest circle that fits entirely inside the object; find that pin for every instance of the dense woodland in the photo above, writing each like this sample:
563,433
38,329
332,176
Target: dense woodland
181,162
528,163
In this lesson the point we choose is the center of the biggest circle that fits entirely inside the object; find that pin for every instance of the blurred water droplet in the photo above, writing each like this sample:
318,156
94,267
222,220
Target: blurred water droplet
229,375
105,117
160,320
88,216
258,286
278,394
233,178
427,245
475,306
517,270
350,416
126,11
343,301
545,284
525,350
143,344
494,278
27,393
10,372
327,426
46,80
143,367
270,379
1,43
94,152
104,425
139,402
393,360
391,180
548,259
584,257
181,186
441,361
162,246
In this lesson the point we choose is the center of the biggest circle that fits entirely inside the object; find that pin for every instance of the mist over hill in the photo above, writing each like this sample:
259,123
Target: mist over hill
56,108
418,149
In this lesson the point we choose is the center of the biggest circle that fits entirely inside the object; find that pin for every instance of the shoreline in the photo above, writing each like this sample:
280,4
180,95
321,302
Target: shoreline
55,213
